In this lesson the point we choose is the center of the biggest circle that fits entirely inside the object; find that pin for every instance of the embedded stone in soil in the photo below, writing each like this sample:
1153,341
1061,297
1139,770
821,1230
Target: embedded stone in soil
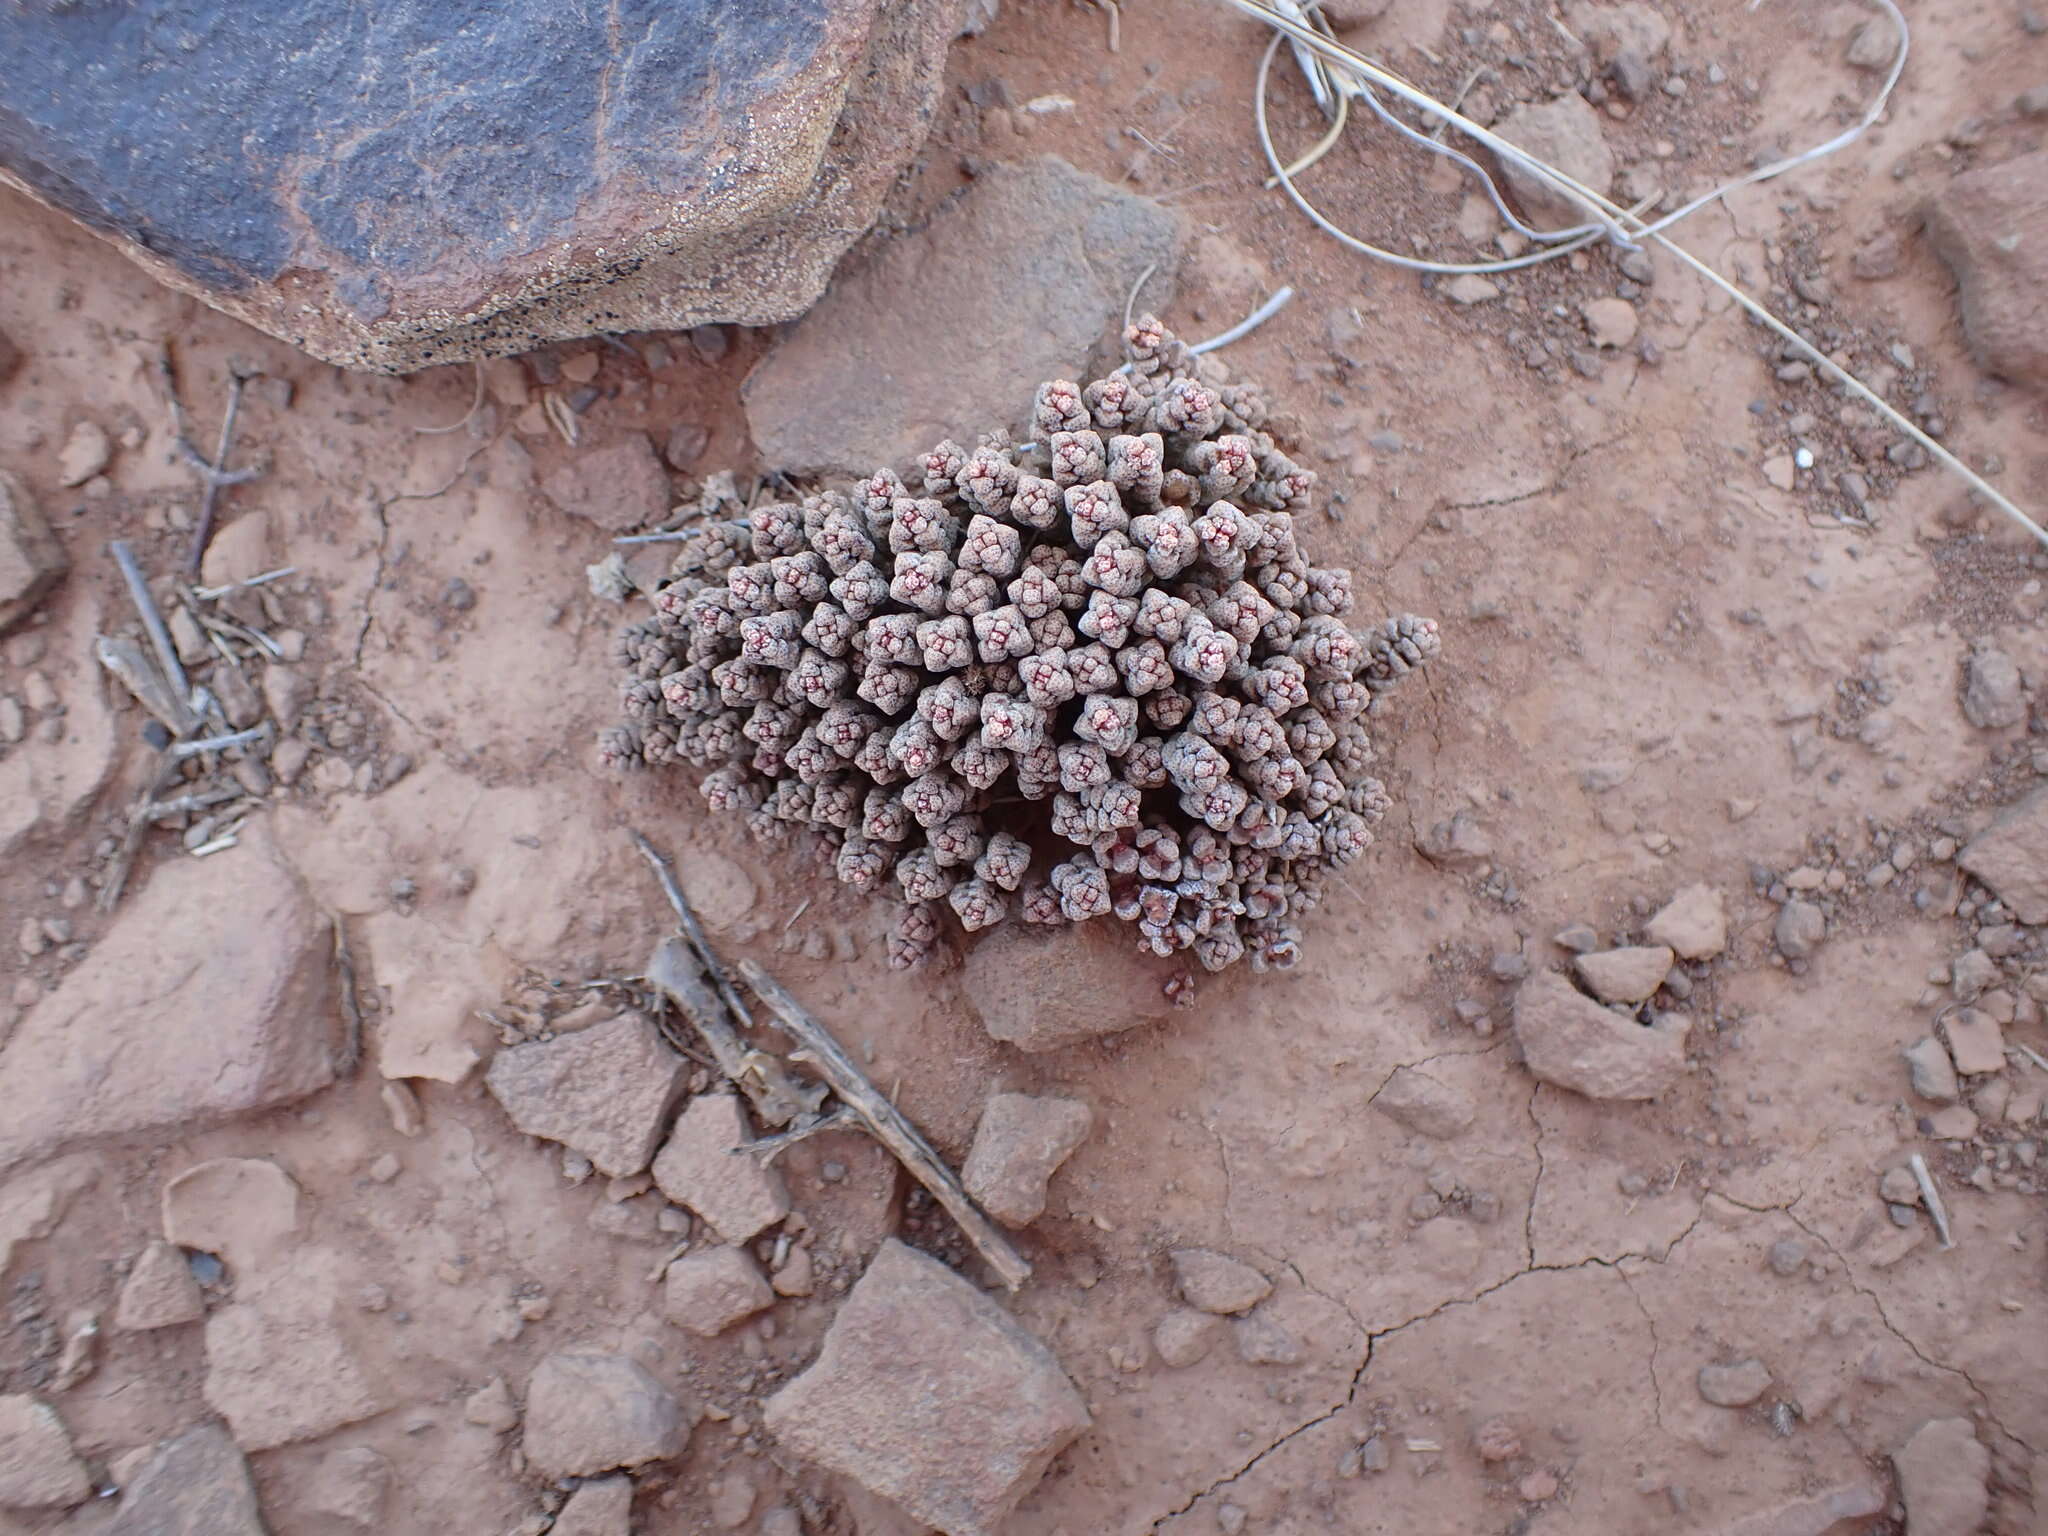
1571,1041
929,1394
605,1091
1018,1146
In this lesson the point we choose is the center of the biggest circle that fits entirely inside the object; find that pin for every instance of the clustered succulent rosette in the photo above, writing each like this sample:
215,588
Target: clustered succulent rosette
1091,676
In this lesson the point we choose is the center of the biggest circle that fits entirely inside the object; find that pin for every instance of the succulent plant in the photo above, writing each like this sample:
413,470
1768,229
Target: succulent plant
1091,676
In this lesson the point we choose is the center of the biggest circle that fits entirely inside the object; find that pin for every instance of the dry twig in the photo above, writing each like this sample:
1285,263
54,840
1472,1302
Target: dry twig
887,1124
351,1007
677,972
689,974
152,624
214,472
694,931
1932,1196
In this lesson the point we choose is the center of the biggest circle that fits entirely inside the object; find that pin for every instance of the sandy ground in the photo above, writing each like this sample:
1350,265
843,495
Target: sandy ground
1660,669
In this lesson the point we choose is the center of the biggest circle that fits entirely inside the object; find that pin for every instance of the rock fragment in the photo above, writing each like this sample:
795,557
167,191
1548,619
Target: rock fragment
619,487
1571,1041
195,1484
1018,1146
1183,1337
605,1091
589,1413
2011,856
1787,1256
601,1507
159,1292
795,1277
1734,1386
1822,1514
1039,226
1042,994
349,1485
38,1468
32,1205
1627,975
1262,1339
280,1371
1459,842
1973,971
1425,1103
491,1407
242,1209
1214,1282
929,1394
1496,1440
1933,1073
402,1104
1991,226
1975,1041
711,1289
1993,695
1877,258
1800,929
705,1168
1944,1475
1565,133
210,996
1957,1122
1470,288
84,454
1610,323
31,559
1693,924
731,1501
1874,44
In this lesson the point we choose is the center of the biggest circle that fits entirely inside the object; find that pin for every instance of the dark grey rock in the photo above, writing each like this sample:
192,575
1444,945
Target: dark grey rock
425,182
1993,696
1799,930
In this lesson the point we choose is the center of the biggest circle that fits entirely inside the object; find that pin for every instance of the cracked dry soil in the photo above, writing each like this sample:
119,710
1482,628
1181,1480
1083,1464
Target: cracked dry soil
1660,668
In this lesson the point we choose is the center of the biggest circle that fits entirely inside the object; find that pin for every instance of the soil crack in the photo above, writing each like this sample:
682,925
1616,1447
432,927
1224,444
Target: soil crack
1877,1306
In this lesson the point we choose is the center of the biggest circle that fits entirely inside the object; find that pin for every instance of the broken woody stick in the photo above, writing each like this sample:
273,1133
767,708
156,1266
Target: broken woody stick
687,972
675,971
888,1125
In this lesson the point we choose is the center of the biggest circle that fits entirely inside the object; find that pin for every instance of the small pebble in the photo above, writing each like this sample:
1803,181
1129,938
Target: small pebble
1786,1257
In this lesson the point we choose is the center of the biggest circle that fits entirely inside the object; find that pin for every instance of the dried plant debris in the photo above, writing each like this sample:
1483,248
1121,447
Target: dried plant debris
1094,675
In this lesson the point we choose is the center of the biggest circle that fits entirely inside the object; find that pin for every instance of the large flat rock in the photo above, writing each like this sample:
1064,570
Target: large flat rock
931,1395
950,329
1043,992
280,1370
424,182
605,1091
211,996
